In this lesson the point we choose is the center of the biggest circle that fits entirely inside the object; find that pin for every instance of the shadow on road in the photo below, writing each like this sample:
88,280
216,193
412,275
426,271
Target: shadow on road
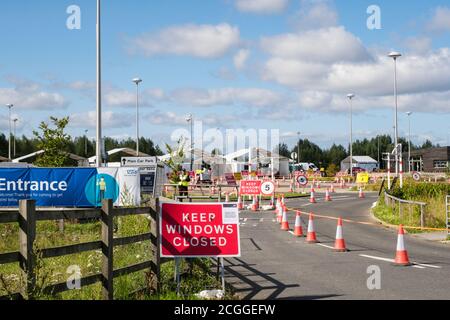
273,287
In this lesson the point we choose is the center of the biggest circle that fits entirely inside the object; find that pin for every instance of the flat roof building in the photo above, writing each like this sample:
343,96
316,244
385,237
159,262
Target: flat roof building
430,160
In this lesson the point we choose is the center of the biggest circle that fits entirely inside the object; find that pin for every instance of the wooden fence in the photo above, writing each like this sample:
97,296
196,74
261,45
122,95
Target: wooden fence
27,216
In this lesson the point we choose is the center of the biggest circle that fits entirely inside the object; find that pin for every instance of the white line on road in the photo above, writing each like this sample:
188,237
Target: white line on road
325,246
415,265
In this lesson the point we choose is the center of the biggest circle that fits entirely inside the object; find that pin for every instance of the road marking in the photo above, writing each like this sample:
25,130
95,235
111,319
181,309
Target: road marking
262,220
325,246
246,219
415,265
428,265
292,232
377,258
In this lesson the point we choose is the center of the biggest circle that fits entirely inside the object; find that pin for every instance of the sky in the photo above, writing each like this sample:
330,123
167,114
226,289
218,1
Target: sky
263,64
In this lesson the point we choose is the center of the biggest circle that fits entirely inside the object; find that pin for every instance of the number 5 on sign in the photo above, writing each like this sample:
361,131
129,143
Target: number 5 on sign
268,188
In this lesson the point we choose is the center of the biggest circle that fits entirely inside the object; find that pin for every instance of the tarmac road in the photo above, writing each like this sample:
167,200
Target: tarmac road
277,265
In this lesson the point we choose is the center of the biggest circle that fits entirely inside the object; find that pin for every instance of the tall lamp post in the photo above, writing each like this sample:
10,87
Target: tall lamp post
86,143
395,55
190,119
298,148
137,81
350,97
9,106
15,125
409,113
99,143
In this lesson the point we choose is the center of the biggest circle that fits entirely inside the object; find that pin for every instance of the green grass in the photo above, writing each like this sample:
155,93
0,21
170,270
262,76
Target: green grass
53,270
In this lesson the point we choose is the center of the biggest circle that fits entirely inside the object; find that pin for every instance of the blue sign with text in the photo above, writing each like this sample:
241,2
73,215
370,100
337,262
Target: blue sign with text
49,187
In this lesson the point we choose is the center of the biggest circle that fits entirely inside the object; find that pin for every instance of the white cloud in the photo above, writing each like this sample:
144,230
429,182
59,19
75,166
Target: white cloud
262,6
247,97
240,59
32,98
440,21
315,14
327,45
110,120
420,45
201,41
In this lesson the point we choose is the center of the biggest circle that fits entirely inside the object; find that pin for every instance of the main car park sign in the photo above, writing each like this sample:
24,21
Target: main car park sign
250,187
199,230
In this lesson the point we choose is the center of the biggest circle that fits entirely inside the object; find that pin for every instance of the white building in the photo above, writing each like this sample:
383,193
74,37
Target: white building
365,162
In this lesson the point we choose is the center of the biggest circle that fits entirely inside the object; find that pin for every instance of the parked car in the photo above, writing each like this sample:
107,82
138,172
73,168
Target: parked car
357,170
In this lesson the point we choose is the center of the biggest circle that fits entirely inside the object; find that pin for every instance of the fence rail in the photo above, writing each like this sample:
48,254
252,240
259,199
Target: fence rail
27,215
392,201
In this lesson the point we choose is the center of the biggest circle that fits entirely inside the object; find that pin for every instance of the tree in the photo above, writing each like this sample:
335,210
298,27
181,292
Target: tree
283,150
54,142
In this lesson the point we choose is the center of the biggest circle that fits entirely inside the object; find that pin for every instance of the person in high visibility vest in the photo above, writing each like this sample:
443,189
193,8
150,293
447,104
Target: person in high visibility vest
183,185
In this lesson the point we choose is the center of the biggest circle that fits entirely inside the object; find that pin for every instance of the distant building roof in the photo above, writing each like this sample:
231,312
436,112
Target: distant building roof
127,151
3,159
37,153
361,159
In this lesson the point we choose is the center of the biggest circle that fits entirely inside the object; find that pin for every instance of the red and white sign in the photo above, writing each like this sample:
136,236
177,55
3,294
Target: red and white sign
250,187
267,188
302,180
199,230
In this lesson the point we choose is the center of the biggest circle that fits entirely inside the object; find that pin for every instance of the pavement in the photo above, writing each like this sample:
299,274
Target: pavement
277,265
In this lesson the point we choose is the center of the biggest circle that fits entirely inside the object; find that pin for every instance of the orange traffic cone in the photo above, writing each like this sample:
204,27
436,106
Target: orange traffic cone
328,196
313,197
361,193
284,222
311,237
298,231
339,246
332,188
401,258
283,200
254,206
240,203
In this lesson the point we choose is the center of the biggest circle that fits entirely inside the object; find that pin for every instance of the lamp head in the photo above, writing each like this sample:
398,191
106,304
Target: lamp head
9,105
394,54
409,113
351,96
137,80
189,117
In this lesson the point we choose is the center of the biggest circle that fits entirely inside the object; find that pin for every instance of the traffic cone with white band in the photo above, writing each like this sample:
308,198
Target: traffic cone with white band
401,258
339,245
313,197
298,231
328,196
240,203
361,193
284,222
311,237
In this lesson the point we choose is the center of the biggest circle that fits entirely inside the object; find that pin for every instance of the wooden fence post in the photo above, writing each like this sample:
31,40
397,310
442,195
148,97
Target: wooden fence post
27,237
156,247
107,249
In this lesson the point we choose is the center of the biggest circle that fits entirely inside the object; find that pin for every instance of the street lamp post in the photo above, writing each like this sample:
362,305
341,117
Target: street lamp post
190,119
9,106
15,124
86,143
298,148
350,98
137,81
395,55
99,88
409,113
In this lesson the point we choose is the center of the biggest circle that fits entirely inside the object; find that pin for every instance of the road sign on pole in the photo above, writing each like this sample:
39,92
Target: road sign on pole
199,230
302,180
416,176
250,187
267,188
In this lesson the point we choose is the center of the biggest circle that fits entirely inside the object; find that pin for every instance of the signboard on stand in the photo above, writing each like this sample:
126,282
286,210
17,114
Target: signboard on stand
250,187
199,230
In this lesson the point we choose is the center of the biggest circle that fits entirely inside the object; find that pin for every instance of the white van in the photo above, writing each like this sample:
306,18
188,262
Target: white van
305,166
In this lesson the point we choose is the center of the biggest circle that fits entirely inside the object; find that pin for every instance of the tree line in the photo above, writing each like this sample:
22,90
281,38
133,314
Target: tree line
324,158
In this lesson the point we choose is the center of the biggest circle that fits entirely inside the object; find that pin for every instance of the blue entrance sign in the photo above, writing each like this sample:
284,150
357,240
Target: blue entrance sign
49,187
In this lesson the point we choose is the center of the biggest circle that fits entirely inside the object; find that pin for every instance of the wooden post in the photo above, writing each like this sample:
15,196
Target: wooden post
27,237
107,249
156,247
422,217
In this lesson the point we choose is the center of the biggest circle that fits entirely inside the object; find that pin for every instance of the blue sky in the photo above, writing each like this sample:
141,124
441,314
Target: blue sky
279,64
